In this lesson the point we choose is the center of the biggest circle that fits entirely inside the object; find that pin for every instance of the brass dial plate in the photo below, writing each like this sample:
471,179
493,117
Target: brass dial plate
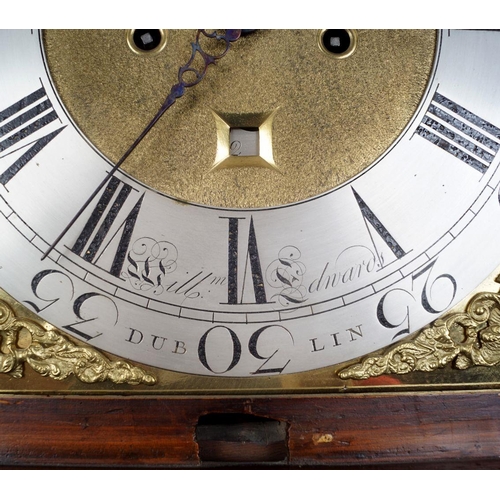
251,293
315,147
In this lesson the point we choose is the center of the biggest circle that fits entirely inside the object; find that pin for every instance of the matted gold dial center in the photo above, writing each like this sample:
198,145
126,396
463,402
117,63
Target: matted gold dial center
334,116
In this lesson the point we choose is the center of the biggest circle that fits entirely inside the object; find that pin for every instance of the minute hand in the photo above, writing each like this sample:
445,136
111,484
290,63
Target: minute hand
177,90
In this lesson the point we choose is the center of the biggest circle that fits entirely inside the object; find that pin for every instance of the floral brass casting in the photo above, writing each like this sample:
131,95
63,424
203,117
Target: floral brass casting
51,354
465,339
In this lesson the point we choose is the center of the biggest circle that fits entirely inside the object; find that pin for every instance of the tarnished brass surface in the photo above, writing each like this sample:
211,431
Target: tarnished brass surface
321,134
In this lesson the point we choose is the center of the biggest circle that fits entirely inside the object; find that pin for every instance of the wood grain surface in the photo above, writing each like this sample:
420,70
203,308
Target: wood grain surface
411,430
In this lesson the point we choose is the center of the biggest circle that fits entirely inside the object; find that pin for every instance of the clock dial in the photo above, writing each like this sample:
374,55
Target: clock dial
317,135
246,292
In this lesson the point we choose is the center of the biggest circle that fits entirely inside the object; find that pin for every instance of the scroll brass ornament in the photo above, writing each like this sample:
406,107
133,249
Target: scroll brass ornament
465,339
51,354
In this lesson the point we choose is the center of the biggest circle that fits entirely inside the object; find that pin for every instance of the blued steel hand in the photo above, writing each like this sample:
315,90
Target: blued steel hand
176,91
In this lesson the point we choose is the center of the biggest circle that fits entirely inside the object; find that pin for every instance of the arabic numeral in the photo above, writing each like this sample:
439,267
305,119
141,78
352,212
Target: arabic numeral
435,296
220,349
258,353
235,347
85,308
235,148
443,283
398,316
51,286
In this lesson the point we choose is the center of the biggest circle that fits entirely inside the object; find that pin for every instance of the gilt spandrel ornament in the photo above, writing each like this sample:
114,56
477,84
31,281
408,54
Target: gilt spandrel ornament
462,340
458,341
51,354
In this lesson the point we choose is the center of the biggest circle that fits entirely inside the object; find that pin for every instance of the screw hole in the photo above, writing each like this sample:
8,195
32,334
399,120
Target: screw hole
147,42
338,43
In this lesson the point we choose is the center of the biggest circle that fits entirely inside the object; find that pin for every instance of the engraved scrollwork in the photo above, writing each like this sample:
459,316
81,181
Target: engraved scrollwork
287,273
465,339
149,261
49,353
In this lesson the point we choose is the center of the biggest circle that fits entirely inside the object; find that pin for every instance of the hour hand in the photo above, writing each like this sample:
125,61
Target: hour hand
226,38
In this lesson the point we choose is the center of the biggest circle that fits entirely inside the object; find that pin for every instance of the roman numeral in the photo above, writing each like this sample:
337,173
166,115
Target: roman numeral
460,132
24,120
105,238
384,235
252,258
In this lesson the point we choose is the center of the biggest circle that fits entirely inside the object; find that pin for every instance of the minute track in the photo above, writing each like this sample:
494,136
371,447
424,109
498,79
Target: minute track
285,314
326,300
